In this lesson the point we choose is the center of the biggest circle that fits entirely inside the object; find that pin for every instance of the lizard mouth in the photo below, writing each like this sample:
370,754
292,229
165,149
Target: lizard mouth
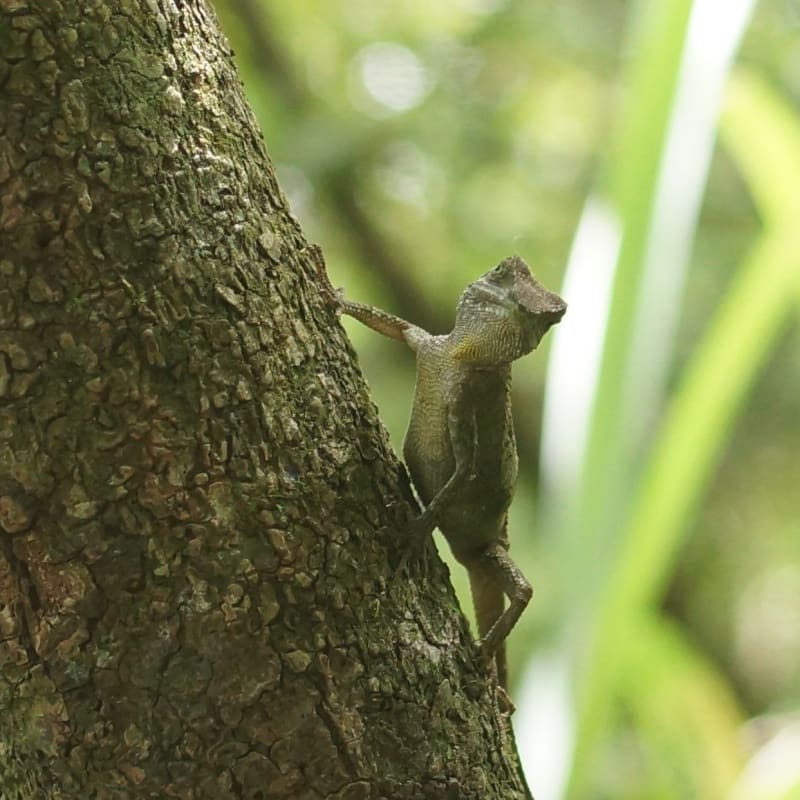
533,335
552,316
540,324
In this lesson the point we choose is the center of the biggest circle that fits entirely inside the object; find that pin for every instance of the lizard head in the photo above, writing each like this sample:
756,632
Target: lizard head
504,314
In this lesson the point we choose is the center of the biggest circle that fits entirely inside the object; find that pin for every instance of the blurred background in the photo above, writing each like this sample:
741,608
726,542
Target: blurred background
644,158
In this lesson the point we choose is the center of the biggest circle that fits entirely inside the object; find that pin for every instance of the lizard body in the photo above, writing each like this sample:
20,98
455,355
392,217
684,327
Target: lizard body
459,447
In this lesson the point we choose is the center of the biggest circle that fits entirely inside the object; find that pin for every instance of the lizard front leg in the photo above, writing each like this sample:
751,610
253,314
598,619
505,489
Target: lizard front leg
383,322
379,320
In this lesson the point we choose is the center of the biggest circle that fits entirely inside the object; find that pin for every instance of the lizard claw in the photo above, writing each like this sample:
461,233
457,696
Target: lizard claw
334,297
486,660
487,646
507,707
419,531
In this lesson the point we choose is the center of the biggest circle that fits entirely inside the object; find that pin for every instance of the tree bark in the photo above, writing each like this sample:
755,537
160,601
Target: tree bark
199,509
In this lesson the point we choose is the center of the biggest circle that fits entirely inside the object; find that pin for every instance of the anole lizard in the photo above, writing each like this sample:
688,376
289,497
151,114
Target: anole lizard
459,447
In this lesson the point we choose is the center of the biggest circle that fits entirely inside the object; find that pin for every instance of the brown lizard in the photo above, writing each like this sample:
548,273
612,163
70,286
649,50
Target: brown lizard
460,447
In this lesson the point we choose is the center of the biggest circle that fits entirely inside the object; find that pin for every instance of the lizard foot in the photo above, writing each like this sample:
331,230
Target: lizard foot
487,662
415,546
504,701
488,647
505,704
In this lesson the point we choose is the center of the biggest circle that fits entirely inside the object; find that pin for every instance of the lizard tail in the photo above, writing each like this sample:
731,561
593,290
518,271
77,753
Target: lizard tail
488,599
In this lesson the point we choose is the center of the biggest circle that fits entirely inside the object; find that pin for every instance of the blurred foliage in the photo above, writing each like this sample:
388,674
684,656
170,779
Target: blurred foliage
420,143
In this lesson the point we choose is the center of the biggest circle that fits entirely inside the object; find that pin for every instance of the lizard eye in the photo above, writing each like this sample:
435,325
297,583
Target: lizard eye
500,274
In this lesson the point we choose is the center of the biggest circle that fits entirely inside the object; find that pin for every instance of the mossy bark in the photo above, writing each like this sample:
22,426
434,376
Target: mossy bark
199,509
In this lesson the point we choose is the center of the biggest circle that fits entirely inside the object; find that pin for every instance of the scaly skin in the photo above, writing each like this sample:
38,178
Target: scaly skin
460,447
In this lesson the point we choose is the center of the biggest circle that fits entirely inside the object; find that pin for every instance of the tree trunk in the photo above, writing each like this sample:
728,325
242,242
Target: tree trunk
199,510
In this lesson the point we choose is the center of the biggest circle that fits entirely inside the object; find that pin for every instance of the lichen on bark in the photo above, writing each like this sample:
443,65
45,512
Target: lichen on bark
199,510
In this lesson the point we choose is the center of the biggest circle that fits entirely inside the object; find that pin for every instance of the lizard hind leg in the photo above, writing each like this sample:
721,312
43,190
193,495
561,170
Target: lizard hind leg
492,575
489,604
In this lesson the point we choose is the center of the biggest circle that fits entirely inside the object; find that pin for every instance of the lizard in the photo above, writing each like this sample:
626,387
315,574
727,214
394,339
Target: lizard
459,447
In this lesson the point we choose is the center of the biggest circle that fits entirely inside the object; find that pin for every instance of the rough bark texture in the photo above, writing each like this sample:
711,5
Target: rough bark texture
198,506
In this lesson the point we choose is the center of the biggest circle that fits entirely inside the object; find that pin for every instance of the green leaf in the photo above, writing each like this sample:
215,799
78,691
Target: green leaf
687,715
762,133
736,344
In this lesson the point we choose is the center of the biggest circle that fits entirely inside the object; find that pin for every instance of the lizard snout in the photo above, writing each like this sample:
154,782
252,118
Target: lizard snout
552,312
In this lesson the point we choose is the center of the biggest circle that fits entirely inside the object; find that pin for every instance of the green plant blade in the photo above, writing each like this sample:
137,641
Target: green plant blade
687,717
725,365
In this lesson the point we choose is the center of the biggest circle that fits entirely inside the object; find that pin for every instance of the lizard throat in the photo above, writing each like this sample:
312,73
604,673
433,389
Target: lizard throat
491,348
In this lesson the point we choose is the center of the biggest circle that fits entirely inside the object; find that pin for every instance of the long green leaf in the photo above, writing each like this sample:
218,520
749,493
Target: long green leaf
734,348
723,369
630,192
687,715
762,132
725,364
